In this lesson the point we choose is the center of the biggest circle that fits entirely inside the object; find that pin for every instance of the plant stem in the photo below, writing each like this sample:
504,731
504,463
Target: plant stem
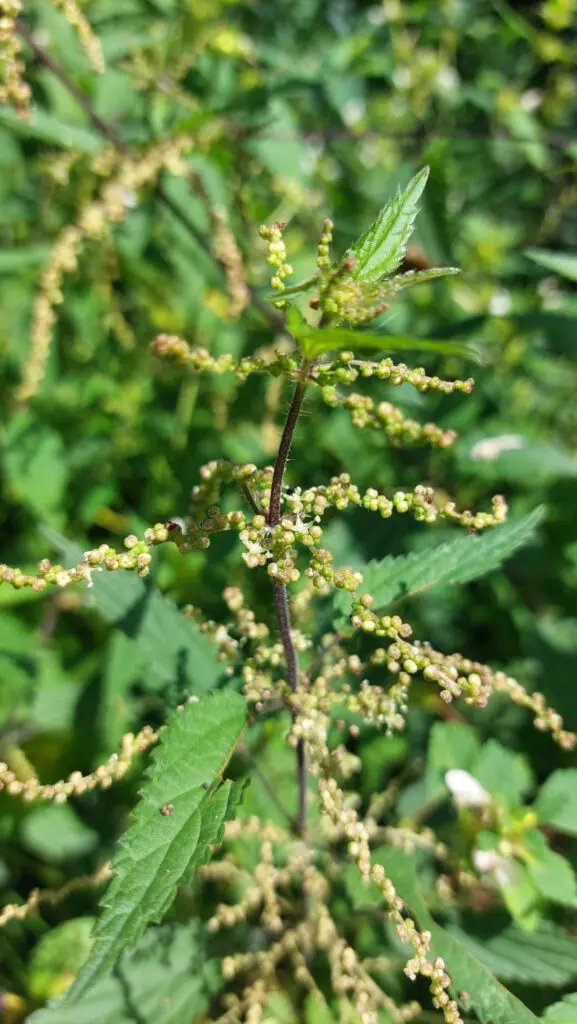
285,447
280,590
276,321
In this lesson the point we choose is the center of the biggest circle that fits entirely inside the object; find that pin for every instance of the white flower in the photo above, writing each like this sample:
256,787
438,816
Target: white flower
486,860
353,111
376,15
500,303
402,78
447,77
129,198
491,862
466,791
489,448
531,99
505,872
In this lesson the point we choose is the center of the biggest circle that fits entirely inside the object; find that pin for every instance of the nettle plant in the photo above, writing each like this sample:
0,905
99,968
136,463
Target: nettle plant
283,887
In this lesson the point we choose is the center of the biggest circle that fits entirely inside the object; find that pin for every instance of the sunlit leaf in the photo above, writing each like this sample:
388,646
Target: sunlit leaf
564,1012
381,249
399,282
334,339
464,559
180,816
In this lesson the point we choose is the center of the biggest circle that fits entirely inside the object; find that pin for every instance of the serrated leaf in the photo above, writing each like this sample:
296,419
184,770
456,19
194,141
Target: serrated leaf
554,877
504,773
546,956
492,1003
334,339
452,745
399,282
382,247
174,648
167,980
35,465
556,803
460,561
563,1012
563,263
160,850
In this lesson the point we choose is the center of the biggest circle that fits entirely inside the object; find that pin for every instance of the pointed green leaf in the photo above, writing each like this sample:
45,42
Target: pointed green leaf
556,803
399,282
492,1003
460,561
295,322
554,877
382,248
333,339
180,815
564,1012
563,263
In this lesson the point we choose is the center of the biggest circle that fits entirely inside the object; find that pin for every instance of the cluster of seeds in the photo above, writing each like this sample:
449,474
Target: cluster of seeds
365,412
420,503
18,911
117,197
262,892
347,821
270,360
91,43
137,558
324,246
457,677
76,784
546,718
13,88
276,255
347,369
226,251
342,298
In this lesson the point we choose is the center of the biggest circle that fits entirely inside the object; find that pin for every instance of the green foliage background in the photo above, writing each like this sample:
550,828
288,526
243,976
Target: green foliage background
301,110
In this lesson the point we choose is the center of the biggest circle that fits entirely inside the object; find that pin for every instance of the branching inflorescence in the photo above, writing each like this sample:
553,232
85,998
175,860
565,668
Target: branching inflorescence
281,531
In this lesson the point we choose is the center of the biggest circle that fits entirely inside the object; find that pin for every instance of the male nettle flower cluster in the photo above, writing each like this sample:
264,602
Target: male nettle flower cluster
13,87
